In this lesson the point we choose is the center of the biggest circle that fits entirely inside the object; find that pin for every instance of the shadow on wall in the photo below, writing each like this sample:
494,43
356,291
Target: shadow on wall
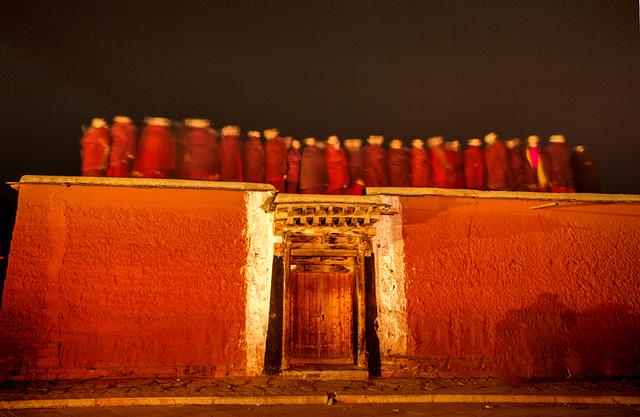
547,339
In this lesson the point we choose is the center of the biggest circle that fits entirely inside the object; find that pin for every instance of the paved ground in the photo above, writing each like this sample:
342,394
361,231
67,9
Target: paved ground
234,387
336,410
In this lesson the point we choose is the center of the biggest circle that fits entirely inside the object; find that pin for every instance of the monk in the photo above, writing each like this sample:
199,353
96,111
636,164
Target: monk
123,147
275,159
474,166
516,180
293,166
585,173
399,164
420,169
156,150
95,149
497,165
456,161
536,168
559,165
353,148
313,175
253,158
199,153
230,155
375,163
337,166
442,174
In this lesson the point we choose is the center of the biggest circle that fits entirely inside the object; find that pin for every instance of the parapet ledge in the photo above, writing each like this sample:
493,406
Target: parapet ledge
504,195
142,183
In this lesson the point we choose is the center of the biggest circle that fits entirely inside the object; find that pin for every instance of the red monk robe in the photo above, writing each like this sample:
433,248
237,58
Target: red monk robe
123,147
497,164
399,165
516,179
293,167
456,162
375,163
95,149
337,167
353,149
474,167
230,155
199,156
559,165
253,158
275,159
585,172
536,166
442,174
420,166
156,150
313,174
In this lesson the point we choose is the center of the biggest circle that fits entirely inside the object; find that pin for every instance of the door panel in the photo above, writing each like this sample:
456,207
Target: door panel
321,320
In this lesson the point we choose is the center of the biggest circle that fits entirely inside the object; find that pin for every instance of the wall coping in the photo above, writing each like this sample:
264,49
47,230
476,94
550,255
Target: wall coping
505,195
141,183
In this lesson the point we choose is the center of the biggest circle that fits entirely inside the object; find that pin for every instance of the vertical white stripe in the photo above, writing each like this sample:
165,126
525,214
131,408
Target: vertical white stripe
388,246
257,273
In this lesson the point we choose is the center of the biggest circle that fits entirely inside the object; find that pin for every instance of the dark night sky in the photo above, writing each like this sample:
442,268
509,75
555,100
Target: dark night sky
400,68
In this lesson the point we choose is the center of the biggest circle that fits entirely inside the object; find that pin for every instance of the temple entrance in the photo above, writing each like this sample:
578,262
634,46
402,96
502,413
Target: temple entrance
325,241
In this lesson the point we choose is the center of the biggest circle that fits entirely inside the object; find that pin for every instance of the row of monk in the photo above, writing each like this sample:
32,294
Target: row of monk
194,150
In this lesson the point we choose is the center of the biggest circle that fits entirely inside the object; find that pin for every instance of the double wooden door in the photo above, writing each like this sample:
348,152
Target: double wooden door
321,323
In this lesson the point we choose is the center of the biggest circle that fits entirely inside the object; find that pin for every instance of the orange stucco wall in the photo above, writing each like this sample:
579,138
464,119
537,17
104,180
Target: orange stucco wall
123,281
497,289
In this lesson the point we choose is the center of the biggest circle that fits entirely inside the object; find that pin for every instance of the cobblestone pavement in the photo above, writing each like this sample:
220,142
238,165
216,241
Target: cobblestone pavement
383,410
274,386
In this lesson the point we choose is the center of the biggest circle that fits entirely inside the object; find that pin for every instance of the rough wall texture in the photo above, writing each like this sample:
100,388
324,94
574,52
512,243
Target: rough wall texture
497,289
120,281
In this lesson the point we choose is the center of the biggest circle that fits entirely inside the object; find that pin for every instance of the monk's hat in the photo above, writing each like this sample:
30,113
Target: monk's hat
474,142
333,139
197,123
310,141
378,139
435,140
579,148
556,139
417,143
353,143
157,121
254,134
122,119
98,122
231,130
533,138
271,133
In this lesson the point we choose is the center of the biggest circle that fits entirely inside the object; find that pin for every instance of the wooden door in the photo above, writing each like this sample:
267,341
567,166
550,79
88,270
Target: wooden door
321,320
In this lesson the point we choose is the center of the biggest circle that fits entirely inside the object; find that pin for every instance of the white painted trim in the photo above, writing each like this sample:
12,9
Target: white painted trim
257,274
388,245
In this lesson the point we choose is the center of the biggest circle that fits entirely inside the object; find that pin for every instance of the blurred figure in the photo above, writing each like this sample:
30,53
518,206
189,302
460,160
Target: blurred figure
293,166
123,147
230,155
313,176
94,151
199,153
275,159
156,150
536,170
337,166
375,163
399,164
585,173
353,149
474,165
253,158
495,154
456,162
516,180
442,174
420,169
559,165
